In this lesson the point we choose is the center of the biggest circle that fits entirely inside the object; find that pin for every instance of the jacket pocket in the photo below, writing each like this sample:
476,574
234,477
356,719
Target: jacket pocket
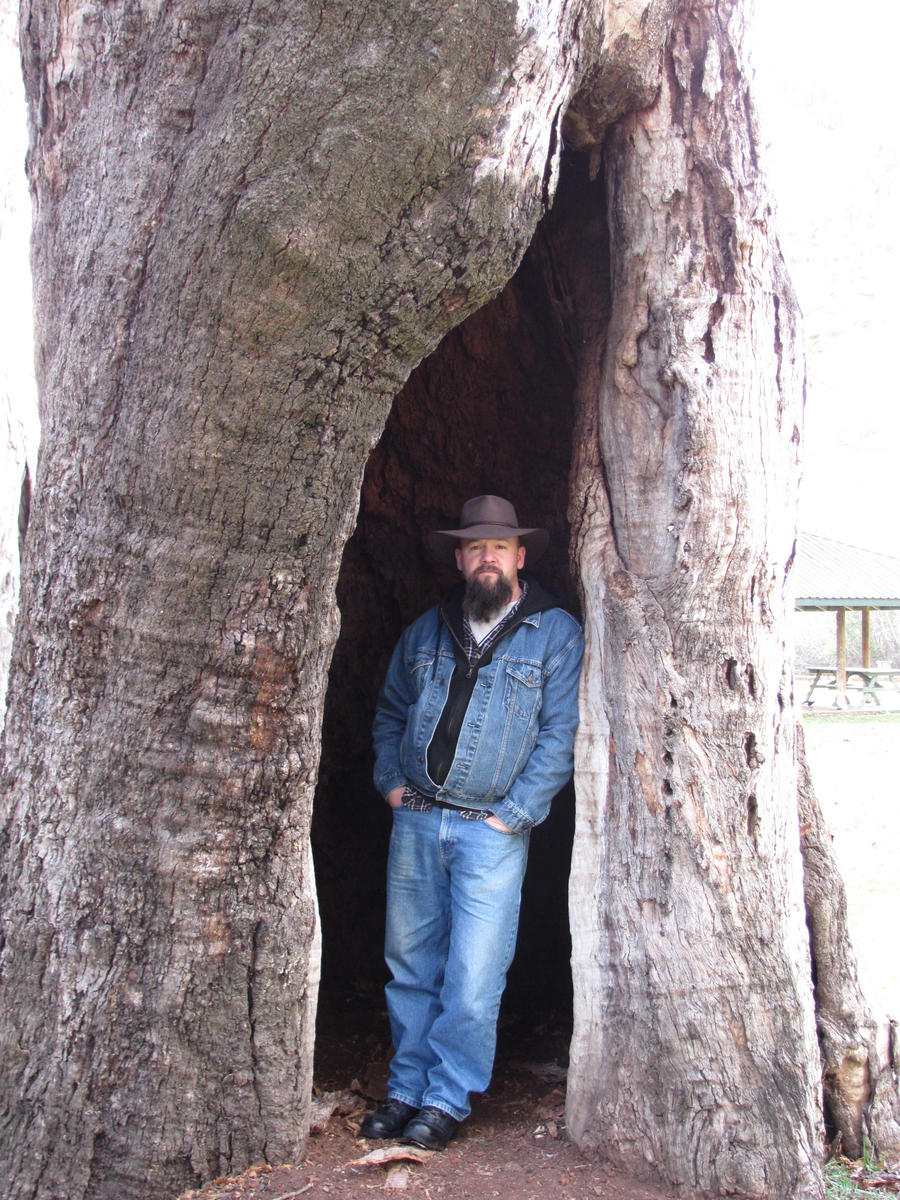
421,667
522,694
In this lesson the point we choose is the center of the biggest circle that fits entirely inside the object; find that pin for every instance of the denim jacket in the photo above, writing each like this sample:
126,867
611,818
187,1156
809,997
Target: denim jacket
514,751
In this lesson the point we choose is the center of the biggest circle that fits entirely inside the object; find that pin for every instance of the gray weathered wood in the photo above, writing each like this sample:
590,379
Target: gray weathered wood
690,954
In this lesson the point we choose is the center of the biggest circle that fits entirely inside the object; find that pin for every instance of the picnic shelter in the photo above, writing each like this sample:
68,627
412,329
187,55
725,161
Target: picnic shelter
836,577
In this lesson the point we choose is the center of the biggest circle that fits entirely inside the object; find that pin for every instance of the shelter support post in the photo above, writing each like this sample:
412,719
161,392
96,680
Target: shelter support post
841,652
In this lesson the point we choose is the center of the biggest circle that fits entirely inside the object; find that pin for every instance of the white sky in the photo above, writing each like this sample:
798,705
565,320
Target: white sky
826,95
16,359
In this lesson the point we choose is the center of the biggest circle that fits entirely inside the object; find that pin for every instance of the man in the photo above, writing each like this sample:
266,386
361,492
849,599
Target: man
473,738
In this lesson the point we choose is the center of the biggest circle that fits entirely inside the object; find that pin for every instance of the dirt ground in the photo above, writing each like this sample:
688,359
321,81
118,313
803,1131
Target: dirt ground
514,1145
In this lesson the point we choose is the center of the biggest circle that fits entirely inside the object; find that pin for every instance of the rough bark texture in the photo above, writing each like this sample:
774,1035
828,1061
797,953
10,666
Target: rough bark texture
862,1106
251,222
694,1050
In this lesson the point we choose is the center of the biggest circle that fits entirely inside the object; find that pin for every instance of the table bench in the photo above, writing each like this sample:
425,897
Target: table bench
866,682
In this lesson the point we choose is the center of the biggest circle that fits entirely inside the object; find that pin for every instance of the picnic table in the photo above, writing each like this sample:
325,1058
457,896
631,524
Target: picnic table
865,682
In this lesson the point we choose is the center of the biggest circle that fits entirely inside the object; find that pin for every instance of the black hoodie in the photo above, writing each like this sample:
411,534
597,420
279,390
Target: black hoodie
442,747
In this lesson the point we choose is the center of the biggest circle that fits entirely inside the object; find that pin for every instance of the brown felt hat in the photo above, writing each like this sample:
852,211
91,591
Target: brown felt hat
488,517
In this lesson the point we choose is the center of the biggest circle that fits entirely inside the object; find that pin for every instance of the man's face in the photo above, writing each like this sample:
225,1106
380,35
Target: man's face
492,565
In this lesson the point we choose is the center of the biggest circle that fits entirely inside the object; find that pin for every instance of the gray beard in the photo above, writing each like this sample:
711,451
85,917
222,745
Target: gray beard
485,600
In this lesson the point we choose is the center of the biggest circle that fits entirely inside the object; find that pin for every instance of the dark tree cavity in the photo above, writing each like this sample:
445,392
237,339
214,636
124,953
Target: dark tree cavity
491,409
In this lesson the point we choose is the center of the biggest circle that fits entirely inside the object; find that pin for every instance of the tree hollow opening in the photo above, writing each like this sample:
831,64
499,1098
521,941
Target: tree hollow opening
491,410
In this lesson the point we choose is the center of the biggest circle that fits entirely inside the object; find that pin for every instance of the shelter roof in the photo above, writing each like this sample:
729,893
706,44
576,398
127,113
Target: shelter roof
829,574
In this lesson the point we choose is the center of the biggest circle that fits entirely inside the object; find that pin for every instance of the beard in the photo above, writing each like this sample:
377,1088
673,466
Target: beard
486,596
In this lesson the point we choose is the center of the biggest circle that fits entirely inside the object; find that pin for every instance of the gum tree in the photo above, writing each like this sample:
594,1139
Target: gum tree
251,223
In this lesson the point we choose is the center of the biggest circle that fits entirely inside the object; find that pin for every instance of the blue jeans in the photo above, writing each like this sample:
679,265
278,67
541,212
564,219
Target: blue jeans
454,888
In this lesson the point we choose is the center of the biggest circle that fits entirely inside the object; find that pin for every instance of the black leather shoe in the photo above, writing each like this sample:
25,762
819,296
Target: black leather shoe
388,1119
431,1128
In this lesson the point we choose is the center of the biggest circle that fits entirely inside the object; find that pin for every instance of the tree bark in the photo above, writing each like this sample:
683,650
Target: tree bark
694,1053
251,221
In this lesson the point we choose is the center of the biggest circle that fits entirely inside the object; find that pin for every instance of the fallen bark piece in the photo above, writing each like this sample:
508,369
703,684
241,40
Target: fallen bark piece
389,1154
324,1106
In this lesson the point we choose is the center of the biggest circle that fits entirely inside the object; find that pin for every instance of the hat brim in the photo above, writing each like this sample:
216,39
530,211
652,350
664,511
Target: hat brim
443,542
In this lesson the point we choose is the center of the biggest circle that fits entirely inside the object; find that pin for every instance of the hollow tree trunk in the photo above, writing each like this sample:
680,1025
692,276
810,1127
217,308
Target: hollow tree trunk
694,1054
252,220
